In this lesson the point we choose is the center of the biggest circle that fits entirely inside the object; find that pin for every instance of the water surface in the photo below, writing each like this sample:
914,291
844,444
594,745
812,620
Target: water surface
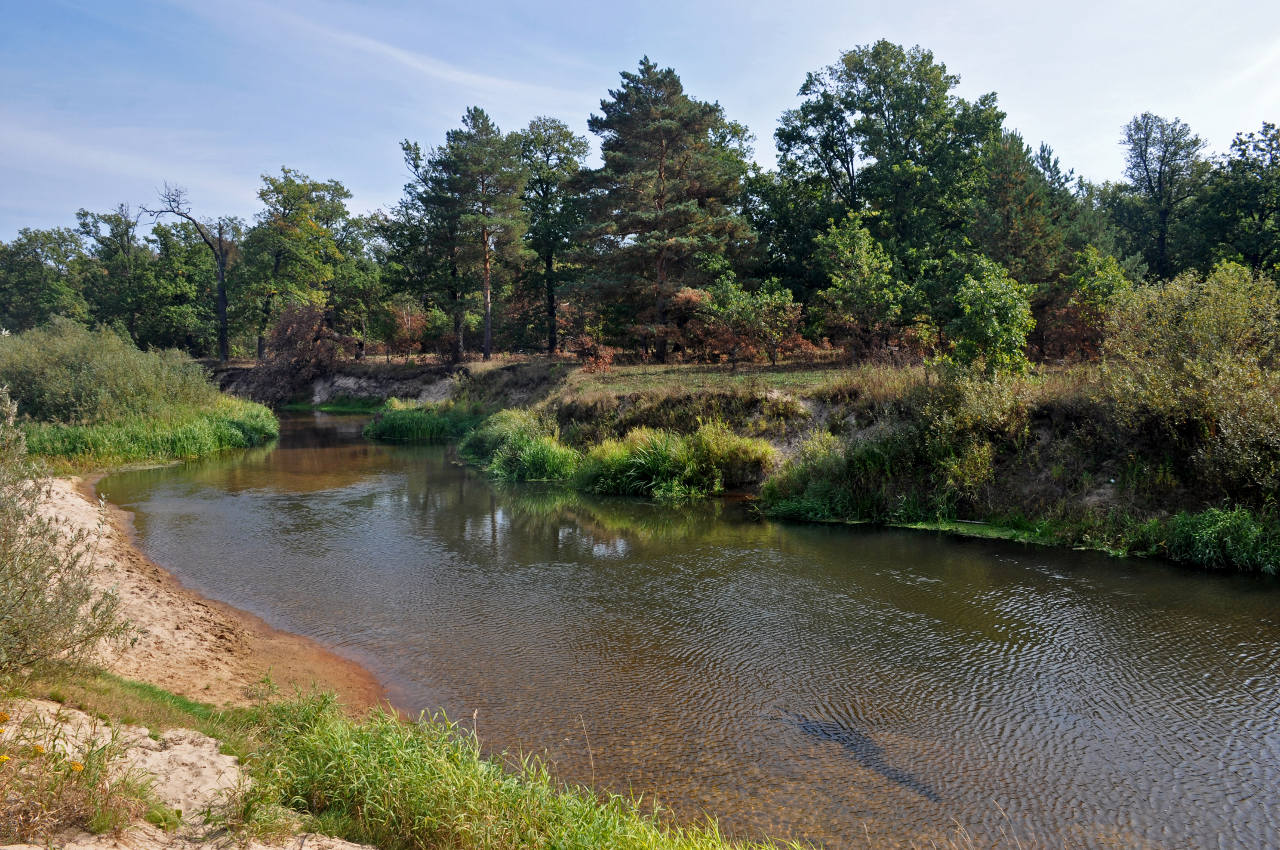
811,683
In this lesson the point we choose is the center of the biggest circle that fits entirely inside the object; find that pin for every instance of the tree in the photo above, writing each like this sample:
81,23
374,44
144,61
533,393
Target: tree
883,129
992,321
1164,171
865,298
489,177
222,236
742,320
41,276
291,254
552,156
425,238
1243,201
673,169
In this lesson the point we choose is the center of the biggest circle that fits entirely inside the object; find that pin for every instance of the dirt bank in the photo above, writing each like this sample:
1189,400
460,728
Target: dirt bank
190,645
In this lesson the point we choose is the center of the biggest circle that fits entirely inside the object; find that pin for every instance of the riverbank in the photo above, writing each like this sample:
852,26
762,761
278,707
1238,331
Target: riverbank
185,643
1051,457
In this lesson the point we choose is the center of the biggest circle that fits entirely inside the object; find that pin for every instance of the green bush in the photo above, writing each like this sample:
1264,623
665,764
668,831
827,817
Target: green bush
502,427
409,422
66,373
91,398
527,458
1196,363
50,613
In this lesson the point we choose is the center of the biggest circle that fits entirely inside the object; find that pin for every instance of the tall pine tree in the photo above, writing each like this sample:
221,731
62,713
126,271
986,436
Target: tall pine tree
672,173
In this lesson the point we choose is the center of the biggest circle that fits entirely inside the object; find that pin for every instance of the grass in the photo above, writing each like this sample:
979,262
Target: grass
428,422
379,779
170,434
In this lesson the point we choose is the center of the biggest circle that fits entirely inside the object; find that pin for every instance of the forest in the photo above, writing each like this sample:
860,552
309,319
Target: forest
903,224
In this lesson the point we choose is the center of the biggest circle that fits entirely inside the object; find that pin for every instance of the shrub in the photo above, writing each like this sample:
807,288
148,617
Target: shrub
438,422
668,467
66,373
50,614
502,427
527,458
1197,363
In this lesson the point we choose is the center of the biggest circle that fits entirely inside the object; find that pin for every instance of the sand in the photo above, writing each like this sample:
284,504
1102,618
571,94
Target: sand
195,647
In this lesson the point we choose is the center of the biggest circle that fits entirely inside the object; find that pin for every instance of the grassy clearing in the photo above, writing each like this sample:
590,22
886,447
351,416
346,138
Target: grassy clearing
430,422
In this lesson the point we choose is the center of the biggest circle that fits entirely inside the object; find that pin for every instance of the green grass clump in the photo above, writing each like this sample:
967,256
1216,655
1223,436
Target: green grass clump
422,785
670,467
1221,539
428,422
519,445
176,432
90,398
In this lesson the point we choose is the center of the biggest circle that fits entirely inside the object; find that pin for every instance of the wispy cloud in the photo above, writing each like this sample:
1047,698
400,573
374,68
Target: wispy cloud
426,67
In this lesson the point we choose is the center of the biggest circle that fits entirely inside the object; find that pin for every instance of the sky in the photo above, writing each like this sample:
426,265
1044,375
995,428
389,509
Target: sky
104,101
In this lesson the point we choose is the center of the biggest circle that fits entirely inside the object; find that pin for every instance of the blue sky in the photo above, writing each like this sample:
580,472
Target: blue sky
101,102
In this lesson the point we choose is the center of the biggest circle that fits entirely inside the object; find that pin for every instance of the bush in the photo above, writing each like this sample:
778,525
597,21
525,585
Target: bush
66,373
439,422
518,445
1196,362
50,614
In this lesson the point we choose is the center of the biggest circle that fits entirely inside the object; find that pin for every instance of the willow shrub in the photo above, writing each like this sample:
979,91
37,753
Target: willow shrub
1196,363
90,397
51,616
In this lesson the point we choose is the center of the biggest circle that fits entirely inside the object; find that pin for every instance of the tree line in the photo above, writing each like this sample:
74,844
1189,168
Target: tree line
902,221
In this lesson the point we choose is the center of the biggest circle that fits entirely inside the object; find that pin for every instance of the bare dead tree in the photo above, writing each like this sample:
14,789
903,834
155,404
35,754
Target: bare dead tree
219,235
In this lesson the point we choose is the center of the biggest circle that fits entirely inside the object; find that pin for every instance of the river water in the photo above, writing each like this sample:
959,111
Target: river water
813,683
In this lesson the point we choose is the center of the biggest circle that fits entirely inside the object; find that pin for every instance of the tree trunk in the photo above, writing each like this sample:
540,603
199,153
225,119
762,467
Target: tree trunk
457,327
224,343
551,304
488,303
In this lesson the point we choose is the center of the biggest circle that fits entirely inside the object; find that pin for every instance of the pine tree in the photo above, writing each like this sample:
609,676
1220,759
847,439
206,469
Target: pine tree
672,172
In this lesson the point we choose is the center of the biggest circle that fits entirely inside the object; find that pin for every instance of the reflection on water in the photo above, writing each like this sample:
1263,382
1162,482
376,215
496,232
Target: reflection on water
803,682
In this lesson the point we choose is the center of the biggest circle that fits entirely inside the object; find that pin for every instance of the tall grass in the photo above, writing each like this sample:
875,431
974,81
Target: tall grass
427,422
89,398
519,445
414,786
670,467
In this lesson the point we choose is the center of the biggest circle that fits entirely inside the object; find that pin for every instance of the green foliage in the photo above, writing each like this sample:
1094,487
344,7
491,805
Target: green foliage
1197,360
65,373
1222,539
742,320
864,297
41,276
425,784
993,318
51,615
669,467
1096,280
429,422
90,398
673,167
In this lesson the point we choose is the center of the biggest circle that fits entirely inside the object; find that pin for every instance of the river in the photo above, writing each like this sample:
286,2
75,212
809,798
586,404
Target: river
813,683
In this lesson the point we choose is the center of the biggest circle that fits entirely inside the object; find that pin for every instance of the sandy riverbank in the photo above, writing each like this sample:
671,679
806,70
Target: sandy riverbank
190,645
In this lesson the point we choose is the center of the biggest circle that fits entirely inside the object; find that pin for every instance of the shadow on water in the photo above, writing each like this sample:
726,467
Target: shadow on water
864,750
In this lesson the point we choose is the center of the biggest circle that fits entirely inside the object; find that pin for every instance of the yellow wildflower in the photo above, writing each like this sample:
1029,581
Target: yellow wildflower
4,718
76,767
37,749
3,758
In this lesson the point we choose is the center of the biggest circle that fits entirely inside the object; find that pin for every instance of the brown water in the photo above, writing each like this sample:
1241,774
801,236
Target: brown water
812,683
